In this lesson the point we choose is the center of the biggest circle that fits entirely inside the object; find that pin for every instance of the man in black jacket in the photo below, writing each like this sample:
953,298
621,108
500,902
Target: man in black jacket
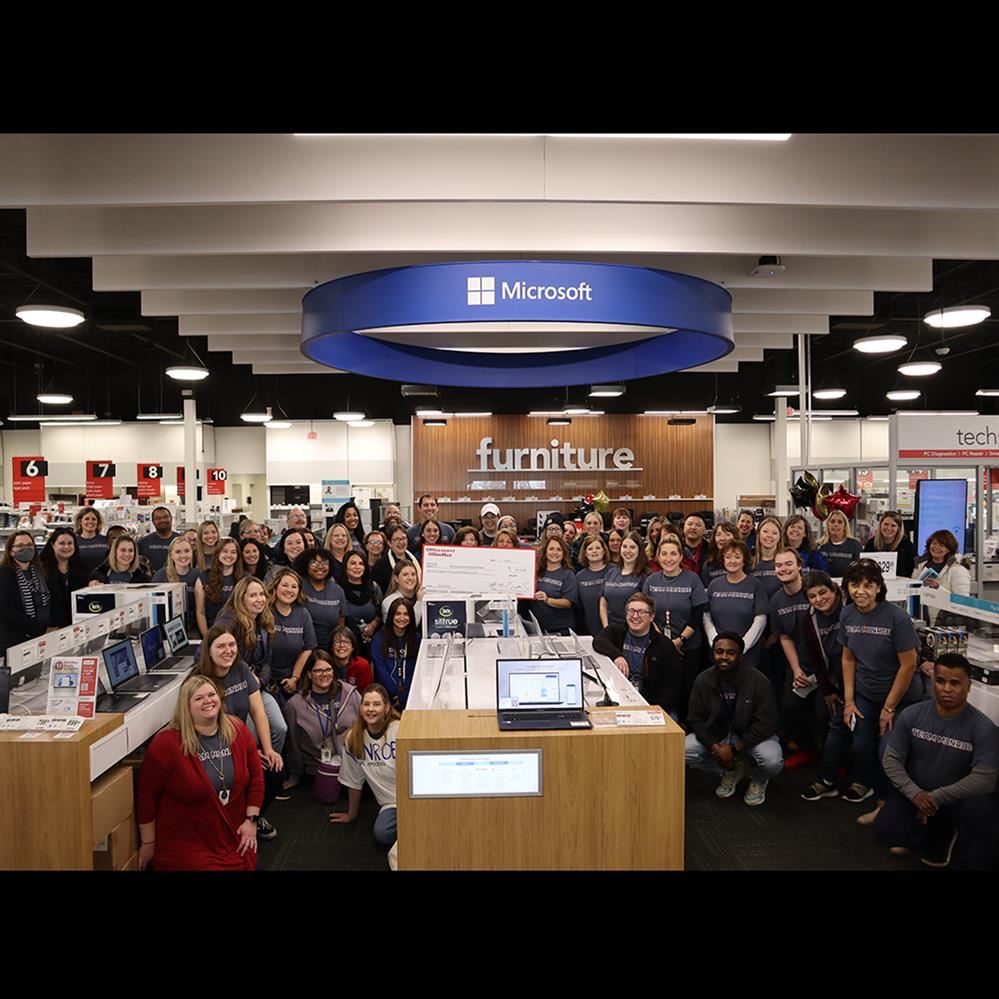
642,653
732,723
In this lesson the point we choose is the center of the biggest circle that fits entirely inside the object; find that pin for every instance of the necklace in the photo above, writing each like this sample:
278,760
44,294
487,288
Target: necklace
220,770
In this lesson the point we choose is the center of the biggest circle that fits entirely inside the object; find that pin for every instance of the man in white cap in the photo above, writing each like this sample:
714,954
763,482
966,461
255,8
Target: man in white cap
489,519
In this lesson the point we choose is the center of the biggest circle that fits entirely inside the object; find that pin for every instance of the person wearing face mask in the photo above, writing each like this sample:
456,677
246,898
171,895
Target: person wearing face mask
180,568
695,550
489,519
594,562
25,600
890,536
220,661
427,506
838,544
65,572
798,535
623,580
92,545
221,578
398,550
879,677
318,717
123,564
154,546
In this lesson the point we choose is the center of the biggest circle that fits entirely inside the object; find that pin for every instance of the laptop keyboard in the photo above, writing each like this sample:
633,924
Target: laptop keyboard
542,715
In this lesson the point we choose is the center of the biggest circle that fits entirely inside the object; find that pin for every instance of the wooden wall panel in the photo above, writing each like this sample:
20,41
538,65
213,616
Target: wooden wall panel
669,461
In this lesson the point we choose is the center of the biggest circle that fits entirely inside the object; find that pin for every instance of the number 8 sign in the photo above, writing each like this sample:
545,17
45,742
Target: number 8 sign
149,479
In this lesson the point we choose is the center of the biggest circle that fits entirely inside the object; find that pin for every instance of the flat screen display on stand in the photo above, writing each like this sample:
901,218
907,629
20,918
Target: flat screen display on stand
941,505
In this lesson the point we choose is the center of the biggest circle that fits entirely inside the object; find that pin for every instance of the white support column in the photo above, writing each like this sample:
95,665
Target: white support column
804,400
781,468
190,461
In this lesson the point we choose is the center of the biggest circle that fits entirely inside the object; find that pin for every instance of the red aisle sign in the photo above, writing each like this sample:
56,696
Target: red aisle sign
29,479
100,479
149,480
216,481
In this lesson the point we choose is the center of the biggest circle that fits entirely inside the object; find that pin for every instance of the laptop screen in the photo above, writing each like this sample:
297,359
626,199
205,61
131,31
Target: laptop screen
541,684
176,634
119,661
150,642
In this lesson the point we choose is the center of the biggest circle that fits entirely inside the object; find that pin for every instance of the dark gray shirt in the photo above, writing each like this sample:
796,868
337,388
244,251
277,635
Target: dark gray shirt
591,585
154,549
831,636
733,606
617,590
216,761
93,550
292,634
840,556
190,579
679,595
876,639
237,686
767,575
789,616
634,652
326,608
560,583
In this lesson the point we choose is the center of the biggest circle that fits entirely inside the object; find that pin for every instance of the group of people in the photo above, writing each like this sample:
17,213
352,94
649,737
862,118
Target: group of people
739,632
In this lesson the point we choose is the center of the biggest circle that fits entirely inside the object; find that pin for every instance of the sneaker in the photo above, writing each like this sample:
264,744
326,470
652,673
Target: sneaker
286,788
819,790
899,851
756,793
867,819
856,793
265,830
939,856
726,786
800,759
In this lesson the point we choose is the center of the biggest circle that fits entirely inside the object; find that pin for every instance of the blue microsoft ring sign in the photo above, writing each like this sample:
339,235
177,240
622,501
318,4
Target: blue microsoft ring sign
696,314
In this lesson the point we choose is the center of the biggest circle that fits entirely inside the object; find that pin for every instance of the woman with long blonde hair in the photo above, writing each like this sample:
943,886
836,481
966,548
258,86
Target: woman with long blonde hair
180,568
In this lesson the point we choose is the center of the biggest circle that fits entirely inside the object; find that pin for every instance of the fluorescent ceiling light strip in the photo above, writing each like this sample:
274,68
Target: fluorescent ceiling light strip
718,136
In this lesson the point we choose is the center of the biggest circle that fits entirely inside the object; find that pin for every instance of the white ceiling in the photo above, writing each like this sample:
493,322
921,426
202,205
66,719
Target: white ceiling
227,232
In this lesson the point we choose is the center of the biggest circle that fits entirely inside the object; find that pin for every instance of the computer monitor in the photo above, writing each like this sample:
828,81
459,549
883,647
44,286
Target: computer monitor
119,661
176,633
539,683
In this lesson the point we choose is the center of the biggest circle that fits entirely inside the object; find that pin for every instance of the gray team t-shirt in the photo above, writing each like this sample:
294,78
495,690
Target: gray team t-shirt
789,616
767,575
617,589
634,652
734,605
590,584
93,550
154,549
292,634
559,583
940,751
831,636
876,639
325,606
679,595
216,761
840,556
237,686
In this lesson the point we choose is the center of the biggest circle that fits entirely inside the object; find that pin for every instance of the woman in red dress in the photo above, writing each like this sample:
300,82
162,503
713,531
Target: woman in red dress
200,789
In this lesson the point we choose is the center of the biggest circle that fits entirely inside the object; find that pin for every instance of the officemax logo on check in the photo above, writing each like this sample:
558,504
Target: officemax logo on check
482,291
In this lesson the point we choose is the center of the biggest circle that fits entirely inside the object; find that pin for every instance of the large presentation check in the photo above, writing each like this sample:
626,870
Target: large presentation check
457,569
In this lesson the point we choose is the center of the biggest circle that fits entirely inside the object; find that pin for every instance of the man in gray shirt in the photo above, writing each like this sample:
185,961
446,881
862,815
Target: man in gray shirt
942,760
155,545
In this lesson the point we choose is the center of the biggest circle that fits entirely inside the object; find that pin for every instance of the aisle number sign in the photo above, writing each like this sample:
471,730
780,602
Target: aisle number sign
217,478
29,479
100,479
149,480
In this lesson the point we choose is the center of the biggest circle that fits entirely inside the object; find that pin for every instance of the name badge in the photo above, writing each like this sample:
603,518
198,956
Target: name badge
326,755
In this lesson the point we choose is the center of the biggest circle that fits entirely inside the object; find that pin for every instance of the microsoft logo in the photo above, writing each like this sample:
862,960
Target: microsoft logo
481,290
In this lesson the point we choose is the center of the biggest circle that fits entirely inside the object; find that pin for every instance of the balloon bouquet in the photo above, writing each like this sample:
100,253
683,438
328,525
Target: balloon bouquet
821,499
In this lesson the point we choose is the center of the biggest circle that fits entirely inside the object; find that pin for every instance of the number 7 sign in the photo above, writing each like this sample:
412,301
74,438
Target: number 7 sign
100,479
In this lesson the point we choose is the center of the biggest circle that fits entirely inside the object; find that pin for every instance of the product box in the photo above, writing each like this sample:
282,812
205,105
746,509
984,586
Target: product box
111,801
986,673
121,844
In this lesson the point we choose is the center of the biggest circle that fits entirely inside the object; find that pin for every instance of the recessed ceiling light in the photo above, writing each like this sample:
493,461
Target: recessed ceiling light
919,369
957,316
829,393
55,317
80,423
187,373
606,391
903,395
879,344
54,399
783,391
51,417
348,416
160,416
988,392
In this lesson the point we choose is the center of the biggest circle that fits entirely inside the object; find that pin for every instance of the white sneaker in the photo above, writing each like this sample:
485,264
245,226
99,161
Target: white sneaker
867,819
726,786
756,793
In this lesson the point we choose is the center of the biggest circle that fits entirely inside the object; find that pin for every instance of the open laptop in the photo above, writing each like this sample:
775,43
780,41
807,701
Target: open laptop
175,631
540,694
123,671
115,702
151,643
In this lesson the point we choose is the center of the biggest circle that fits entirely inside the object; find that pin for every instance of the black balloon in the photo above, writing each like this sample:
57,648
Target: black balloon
803,492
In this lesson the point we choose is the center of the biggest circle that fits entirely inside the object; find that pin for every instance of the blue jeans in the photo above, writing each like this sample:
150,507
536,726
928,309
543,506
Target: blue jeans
385,827
837,744
765,759
275,719
869,745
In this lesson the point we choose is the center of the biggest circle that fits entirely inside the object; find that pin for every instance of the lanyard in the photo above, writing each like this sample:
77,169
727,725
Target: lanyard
329,714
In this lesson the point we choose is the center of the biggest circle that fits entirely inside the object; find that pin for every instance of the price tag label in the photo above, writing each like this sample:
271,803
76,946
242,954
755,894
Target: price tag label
887,562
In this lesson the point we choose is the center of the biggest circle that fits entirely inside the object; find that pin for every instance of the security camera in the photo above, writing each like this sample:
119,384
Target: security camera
768,267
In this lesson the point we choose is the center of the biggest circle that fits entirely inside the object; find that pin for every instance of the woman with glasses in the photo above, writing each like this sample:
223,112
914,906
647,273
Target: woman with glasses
351,666
324,597
398,550
374,546
25,601
318,717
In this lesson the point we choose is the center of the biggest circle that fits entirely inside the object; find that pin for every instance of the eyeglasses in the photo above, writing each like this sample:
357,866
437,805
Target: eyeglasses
317,561
342,642
637,613
322,672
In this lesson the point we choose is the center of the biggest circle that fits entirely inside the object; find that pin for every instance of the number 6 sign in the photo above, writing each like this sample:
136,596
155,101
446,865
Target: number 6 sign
29,479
